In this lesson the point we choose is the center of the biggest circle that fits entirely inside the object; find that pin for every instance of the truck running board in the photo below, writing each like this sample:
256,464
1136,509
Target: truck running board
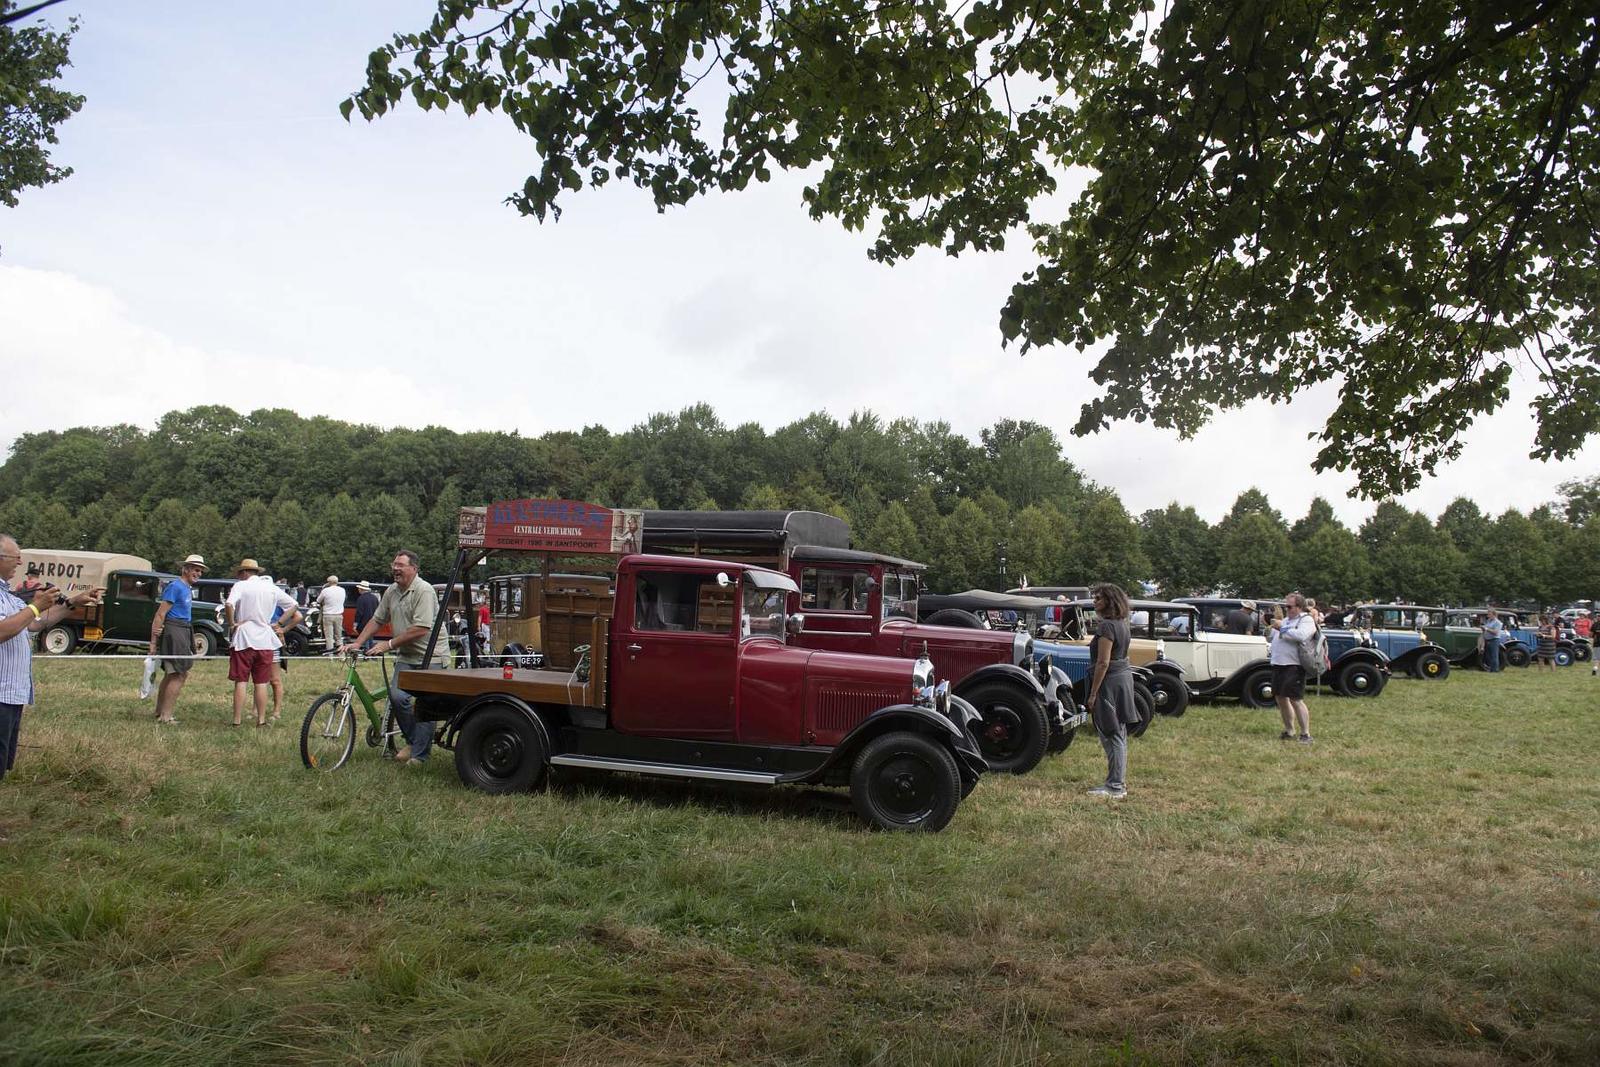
669,770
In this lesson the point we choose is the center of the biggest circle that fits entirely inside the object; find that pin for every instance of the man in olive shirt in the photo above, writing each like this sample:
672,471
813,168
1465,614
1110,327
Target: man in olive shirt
409,606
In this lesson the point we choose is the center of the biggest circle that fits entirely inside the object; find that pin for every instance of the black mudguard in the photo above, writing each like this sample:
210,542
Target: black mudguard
1371,655
969,761
453,724
1234,685
1407,659
1006,672
1166,666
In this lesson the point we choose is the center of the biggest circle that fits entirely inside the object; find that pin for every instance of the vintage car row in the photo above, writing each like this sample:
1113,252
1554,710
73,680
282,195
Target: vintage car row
691,670
1357,666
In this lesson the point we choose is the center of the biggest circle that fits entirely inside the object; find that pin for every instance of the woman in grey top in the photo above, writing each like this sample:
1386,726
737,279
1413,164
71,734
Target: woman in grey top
1111,687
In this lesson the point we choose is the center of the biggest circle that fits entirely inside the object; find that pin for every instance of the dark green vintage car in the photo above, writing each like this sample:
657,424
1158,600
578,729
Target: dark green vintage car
1458,631
124,617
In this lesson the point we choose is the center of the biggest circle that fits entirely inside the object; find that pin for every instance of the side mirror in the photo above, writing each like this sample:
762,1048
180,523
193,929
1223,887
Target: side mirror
794,624
723,580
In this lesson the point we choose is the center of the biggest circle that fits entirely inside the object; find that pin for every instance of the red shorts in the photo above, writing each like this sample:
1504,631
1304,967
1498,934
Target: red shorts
251,665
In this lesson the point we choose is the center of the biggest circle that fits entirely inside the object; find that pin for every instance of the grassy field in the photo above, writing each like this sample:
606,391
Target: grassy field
1418,887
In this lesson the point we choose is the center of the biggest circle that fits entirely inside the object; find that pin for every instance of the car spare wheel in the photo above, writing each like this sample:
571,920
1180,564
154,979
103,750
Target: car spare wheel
966,620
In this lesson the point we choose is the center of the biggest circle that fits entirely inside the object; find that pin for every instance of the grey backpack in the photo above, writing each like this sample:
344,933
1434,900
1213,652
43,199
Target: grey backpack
1314,654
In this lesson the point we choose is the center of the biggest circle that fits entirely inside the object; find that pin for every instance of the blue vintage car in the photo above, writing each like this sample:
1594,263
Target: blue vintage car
1398,632
1073,661
1357,667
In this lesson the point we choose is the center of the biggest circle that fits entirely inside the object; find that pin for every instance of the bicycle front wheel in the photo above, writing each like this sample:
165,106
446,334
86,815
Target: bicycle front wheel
328,735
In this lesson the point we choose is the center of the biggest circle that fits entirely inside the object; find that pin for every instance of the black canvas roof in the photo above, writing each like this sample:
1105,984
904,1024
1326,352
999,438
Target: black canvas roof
850,555
686,529
982,600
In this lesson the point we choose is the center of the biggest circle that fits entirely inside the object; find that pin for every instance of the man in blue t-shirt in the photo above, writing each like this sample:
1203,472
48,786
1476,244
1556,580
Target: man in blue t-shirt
172,636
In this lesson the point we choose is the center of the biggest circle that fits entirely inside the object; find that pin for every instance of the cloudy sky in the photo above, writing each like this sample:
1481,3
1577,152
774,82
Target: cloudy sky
227,238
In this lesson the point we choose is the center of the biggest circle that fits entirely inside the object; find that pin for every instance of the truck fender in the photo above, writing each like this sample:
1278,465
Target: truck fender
453,726
969,761
1006,672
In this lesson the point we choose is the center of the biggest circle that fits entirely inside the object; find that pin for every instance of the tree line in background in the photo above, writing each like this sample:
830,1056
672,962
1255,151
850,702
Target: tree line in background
317,496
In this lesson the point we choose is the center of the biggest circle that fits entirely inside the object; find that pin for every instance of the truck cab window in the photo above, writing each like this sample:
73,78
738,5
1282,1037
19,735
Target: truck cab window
665,601
899,596
834,590
763,612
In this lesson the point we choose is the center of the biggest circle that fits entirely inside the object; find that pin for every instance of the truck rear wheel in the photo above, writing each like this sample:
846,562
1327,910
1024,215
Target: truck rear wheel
1013,730
500,751
905,781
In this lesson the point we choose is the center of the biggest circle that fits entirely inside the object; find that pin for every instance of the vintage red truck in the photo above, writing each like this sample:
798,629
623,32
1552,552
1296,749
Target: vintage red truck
865,602
685,668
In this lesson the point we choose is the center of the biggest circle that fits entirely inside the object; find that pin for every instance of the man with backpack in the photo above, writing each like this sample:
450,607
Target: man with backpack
1296,641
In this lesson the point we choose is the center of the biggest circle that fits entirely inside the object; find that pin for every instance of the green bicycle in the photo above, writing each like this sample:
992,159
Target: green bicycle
328,734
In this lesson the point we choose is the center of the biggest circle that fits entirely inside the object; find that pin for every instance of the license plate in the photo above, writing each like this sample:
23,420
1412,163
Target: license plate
1075,721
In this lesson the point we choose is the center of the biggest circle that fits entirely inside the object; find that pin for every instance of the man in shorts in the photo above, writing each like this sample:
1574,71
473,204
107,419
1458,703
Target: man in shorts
172,636
253,649
1288,677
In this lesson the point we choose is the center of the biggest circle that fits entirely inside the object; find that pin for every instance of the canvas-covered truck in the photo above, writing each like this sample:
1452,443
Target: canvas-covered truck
690,672
123,616
866,602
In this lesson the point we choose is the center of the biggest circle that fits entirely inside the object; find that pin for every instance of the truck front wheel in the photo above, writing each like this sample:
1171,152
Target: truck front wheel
500,751
58,641
1013,729
905,781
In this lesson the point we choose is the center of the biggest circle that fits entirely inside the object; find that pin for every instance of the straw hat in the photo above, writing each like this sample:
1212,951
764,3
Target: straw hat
363,586
195,561
248,565
1248,605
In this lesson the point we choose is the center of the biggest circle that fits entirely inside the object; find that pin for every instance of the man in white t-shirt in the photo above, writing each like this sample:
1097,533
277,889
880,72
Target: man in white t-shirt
331,603
255,638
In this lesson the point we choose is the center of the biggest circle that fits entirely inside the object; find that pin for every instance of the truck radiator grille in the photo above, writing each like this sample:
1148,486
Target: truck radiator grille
841,708
956,666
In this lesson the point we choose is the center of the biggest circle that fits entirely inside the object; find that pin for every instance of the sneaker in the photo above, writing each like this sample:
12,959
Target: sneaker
166,722
1286,736
1108,792
416,762
1305,739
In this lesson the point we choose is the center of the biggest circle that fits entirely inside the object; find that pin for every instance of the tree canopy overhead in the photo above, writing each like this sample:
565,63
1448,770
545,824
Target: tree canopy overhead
1396,198
32,57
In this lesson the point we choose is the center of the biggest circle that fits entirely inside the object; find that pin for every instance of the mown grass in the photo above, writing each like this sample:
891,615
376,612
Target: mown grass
1419,887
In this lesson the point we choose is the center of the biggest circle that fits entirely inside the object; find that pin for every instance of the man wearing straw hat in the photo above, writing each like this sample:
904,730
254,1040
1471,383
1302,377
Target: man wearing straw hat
172,637
253,649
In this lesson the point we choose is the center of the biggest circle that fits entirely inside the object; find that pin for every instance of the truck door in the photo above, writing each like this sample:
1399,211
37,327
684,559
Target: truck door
837,604
673,673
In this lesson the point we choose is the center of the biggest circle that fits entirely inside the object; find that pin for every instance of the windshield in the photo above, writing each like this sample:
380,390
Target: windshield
763,612
899,596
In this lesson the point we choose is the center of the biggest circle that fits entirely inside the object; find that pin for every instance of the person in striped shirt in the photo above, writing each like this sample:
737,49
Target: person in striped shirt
39,608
